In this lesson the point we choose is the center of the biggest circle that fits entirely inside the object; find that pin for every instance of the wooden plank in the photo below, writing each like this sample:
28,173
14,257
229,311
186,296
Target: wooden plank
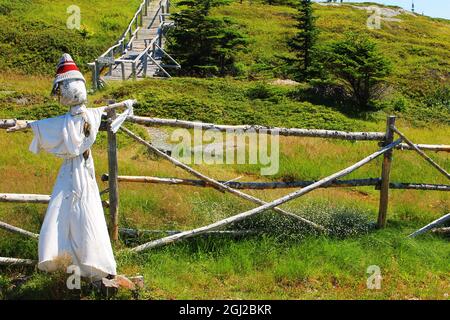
385,175
17,230
431,225
267,206
333,134
113,173
421,153
214,183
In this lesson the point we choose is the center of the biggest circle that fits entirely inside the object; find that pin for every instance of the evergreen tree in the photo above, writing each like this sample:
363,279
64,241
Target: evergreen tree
204,45
356,63
303,43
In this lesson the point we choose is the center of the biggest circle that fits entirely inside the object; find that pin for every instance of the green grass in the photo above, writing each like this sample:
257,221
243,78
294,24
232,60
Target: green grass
265,268
34,33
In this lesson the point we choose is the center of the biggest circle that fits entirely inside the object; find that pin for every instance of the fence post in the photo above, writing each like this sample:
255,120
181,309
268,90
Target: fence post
95,75
113,184
385,174
133,70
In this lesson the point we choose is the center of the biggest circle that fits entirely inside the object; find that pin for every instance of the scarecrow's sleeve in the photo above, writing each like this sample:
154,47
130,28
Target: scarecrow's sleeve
47,134
97,116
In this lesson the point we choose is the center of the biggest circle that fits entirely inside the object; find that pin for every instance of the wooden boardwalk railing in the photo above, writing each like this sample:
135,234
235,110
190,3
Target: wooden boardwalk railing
139,51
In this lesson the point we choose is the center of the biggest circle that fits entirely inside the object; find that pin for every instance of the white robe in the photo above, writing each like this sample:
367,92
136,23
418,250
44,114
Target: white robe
74,223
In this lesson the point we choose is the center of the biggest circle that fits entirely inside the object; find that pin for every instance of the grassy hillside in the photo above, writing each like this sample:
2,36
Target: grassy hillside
34,33
418,47
286,261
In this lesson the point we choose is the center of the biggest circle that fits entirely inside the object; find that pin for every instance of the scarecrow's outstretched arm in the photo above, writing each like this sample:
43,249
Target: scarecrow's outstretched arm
20,125
126,104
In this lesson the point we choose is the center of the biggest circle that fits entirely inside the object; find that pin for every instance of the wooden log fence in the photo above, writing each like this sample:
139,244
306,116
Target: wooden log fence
383,183
215,183
264,207
281,184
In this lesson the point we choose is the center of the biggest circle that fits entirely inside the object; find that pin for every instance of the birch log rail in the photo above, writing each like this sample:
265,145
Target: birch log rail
10,228
267,206
281,184
232,186
444,230
429,147
17,262
259,129
24,198
215,183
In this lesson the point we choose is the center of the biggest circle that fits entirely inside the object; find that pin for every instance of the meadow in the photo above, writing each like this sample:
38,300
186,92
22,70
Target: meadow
284,260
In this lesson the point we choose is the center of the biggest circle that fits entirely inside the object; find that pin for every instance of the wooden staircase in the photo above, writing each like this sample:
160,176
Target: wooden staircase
139,52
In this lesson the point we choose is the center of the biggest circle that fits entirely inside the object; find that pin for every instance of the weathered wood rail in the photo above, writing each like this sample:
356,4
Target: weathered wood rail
294,132
16,262
375,182
382,183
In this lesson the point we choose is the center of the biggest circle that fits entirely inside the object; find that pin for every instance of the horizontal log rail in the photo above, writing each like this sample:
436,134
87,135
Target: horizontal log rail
417,186
281,184
16,262
24,198
429,147
33,198
378,136
318,133
444,230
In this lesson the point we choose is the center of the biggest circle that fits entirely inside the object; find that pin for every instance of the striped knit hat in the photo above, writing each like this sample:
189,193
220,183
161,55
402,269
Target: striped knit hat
66,69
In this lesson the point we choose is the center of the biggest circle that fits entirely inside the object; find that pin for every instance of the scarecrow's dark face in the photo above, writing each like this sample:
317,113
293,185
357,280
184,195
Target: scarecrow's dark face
72,92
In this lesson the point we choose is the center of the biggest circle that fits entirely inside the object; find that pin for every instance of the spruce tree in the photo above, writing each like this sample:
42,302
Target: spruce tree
204,45
303,43
357,64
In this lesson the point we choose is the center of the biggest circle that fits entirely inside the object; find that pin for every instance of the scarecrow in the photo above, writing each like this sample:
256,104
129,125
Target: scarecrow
74,224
